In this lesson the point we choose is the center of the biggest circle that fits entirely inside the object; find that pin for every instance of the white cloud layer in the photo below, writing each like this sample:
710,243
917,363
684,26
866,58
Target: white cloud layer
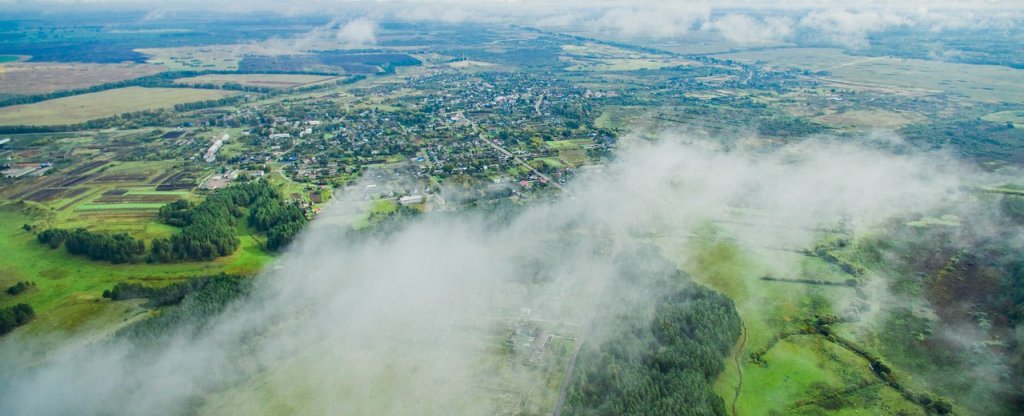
408,323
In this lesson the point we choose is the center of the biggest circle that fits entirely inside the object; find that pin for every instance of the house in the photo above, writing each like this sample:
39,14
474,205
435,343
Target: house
411,200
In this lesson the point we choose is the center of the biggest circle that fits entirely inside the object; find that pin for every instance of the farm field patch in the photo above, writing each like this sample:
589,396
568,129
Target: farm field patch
26,78
982,83
85,107
282,81
64,280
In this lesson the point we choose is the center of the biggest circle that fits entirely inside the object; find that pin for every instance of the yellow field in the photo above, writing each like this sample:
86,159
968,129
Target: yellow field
85,107
257,80
37,77
983,83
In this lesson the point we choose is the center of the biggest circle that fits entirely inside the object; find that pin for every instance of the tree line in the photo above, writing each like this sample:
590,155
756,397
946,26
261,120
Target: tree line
171,294
207,229
115,248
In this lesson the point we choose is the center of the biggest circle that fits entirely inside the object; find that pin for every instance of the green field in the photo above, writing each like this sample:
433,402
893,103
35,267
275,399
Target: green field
983,83
107,207
85,107
69,287
799,371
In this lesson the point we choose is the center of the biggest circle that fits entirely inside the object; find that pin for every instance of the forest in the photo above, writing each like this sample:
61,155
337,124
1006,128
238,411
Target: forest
208,229
660,362
203,301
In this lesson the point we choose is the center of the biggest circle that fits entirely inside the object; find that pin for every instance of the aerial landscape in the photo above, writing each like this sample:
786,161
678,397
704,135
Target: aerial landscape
455,207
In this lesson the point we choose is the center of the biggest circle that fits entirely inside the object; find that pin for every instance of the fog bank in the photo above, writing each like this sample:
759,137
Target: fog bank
413,322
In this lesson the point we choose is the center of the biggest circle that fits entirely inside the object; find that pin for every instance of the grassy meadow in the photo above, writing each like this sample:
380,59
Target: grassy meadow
68,288
85,107
982,83
282,81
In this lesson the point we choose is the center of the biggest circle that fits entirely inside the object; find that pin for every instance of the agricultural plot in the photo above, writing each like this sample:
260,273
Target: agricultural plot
571,152
981,83
277,81
191,58
85,107
352,63
26,78
105,195
868,119
592,57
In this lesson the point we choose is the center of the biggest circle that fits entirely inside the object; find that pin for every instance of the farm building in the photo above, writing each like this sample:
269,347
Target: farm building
411,200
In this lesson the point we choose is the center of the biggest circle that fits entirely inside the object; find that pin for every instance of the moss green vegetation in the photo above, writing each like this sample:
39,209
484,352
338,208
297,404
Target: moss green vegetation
68,288
800,374
379,210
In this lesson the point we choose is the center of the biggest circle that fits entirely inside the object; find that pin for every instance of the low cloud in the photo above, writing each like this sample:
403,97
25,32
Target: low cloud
661,20
847,28
359,32
749,31
411,322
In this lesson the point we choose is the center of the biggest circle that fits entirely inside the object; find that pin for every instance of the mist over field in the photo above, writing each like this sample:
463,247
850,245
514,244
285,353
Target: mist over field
405,322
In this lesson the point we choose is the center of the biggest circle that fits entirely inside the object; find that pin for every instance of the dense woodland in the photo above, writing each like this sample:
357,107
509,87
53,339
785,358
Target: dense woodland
199,302
209,229
663,365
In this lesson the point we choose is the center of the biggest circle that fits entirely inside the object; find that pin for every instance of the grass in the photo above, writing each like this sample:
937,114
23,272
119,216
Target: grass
868,119
85,107
283,81
797,367
182,194
107,207
69,287
568,144
379,209
28,78
982,83
804,369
